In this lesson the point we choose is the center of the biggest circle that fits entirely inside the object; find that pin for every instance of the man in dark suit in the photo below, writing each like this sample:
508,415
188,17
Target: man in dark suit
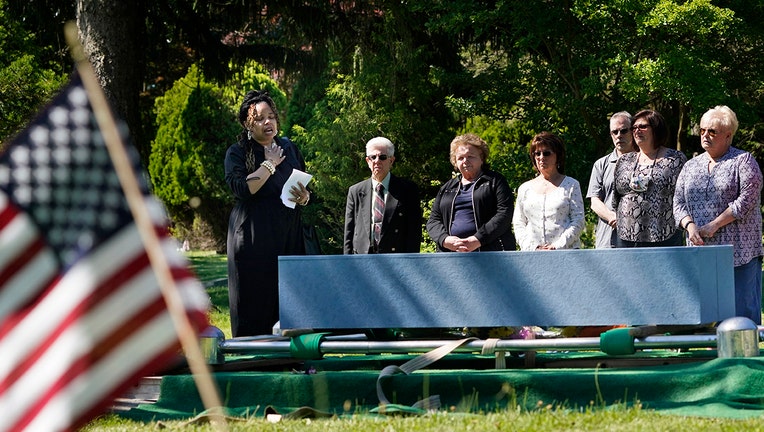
399,227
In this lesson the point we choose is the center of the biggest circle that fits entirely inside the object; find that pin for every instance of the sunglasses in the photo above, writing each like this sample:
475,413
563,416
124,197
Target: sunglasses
381,157
711,132
546,153
617,132
641,127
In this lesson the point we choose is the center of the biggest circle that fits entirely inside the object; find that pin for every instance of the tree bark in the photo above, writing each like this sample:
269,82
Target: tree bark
110,31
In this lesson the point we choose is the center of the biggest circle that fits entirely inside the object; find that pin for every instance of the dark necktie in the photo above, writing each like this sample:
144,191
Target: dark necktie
379,211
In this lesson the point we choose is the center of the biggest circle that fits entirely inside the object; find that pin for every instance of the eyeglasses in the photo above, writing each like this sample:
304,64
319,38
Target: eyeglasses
546,153
711,132
617,132
381,157
641,127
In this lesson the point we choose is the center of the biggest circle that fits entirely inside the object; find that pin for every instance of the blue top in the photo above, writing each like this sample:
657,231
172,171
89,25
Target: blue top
464,224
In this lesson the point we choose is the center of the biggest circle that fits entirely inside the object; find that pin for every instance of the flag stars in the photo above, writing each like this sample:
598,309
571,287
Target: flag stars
89,217
60,175
39,136
41,156
81,137
23,175
59,216
42,193
85,241
108,221
59,116
43,215
78,97
101,158
80,117
61,156
55,236
23,194
81,155
20,156
65,177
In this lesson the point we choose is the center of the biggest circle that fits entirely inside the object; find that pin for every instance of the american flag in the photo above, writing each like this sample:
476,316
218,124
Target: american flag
82,317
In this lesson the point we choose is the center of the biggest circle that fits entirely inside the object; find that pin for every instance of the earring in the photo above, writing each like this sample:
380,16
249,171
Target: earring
249,134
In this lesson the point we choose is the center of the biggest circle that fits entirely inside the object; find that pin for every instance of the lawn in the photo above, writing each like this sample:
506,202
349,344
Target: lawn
211,270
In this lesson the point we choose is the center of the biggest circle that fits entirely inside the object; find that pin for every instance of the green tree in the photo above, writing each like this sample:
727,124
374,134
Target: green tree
419,72
566,66
197,122
27,81
186,161
386,88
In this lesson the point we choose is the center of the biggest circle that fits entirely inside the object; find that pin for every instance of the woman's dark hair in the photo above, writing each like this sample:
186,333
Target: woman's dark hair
657,124
551,140
254,97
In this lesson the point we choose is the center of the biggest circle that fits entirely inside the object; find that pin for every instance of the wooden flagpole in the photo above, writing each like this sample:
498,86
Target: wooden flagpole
127,177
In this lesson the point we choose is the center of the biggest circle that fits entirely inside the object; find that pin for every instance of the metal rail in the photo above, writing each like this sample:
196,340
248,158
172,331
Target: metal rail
345,345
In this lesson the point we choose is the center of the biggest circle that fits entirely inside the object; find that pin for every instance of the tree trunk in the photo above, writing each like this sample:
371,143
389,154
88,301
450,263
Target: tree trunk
681,132
110,31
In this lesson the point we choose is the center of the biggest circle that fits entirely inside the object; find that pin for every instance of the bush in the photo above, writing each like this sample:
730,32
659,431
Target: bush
186,161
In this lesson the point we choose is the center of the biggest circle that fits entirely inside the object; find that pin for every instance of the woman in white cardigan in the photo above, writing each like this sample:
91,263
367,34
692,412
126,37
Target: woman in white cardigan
549,210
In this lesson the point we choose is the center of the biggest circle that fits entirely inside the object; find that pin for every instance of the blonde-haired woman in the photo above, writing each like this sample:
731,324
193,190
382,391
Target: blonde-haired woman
472,211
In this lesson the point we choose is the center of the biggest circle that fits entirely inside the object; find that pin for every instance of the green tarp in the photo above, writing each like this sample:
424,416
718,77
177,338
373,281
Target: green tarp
690,383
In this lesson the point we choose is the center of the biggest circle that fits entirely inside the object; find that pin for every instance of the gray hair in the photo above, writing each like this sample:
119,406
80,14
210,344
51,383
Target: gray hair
390,147
724,115
625,115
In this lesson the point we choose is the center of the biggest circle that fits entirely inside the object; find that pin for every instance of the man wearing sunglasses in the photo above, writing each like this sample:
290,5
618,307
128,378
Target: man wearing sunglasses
601,181
383,213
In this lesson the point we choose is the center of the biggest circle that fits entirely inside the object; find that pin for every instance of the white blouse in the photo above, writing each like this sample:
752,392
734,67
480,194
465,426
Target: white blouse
555,218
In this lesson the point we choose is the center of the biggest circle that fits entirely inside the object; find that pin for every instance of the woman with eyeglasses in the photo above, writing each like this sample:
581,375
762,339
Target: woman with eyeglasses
472,211
549,212
718,201
260,228
644,186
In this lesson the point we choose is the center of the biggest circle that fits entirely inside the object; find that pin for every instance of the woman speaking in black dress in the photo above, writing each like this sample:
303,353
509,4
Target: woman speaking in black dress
261,227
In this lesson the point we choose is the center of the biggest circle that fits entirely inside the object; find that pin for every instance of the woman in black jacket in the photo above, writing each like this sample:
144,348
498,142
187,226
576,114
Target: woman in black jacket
472,211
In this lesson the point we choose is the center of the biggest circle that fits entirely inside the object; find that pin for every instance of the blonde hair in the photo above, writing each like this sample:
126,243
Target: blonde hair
472,140
724,115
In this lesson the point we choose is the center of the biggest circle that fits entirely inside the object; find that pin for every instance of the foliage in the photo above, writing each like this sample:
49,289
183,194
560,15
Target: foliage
185,165
383,89
251,76
418,72
508,142
197,122
567,68
26,80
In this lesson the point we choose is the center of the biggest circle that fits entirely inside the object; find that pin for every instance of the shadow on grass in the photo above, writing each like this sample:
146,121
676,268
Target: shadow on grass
208,266
212,271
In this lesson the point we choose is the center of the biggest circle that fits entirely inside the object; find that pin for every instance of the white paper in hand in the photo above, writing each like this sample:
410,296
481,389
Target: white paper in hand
297,176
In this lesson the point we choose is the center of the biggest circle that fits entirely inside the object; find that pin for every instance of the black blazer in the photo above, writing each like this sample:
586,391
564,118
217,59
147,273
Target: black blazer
401,225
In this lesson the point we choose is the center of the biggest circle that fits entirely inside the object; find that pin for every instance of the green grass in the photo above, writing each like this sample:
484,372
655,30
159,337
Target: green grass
208,266
544,420
211,270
